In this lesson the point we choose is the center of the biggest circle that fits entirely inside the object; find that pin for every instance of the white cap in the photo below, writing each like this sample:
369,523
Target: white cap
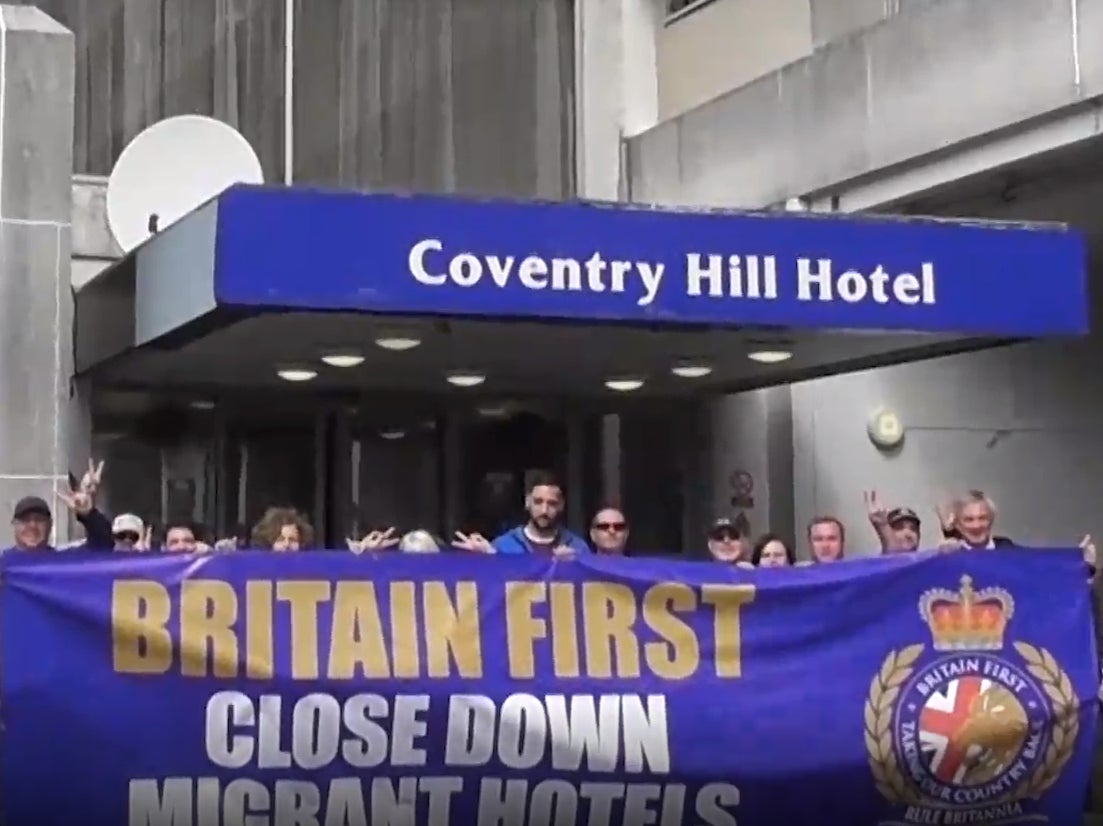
128,523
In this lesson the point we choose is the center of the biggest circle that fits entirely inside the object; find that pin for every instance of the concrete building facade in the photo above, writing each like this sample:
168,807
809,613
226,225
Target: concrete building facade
895,106
363,95
981,108
855,105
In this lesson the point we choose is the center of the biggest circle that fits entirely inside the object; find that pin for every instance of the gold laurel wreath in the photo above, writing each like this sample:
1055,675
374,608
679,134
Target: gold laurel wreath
1065,716
885,689
880,705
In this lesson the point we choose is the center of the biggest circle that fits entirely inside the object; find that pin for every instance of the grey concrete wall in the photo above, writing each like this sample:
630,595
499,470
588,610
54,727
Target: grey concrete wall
39,418
93,245
421,94
1000,420
939,73
465,96
712,49
1026,415
91,236
832,19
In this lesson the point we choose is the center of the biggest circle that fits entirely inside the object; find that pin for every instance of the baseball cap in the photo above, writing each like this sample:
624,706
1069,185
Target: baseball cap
724,527
903,515
31,505
127,523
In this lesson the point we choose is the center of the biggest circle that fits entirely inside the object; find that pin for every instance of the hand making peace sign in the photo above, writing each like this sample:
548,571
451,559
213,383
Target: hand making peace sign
379,540
81,500
145,541
90,482
77,501
875,508
473,542
374,541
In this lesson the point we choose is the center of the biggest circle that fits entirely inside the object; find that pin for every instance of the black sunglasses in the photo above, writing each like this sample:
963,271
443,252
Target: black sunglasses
127,536
615,527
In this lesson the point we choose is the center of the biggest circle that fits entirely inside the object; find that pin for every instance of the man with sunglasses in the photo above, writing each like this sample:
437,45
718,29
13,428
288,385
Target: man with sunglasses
129,533
609,531
725,542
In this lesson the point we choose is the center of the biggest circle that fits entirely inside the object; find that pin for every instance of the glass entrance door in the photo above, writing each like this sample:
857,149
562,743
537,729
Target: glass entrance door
219,467
499,457
268,466
395,478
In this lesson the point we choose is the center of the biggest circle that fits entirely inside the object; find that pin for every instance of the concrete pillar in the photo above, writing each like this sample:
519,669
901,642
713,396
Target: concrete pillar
616,95
617,87
752,461
577,515
36,307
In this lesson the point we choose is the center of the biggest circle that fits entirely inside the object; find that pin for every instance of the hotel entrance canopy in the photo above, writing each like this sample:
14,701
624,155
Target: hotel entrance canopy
560,297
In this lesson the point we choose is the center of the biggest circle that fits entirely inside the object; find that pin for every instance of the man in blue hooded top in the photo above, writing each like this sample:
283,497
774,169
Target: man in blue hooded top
541,534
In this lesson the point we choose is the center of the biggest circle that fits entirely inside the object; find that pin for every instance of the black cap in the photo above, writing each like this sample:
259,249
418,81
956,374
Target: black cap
903,515
724,527
29,505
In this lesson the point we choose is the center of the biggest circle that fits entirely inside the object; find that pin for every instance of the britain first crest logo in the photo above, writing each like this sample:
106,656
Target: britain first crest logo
973,724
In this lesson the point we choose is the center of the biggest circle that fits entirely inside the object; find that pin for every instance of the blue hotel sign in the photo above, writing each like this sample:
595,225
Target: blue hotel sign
299,249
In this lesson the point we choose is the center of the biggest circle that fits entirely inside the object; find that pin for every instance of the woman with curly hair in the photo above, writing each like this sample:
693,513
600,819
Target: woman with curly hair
283,530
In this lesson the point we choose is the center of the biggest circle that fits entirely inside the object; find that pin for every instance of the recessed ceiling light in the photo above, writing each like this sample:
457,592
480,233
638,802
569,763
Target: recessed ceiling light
343,359
201,404
392,435
769,356
691,371
624,385
297,374
466,379
397,344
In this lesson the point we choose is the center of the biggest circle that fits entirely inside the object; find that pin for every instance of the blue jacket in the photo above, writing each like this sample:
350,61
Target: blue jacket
515,542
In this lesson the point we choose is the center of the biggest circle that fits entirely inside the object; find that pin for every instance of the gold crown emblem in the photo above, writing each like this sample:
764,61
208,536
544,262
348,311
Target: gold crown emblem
968,620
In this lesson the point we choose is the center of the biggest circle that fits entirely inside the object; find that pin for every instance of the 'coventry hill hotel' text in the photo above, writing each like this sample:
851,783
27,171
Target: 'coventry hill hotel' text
709,276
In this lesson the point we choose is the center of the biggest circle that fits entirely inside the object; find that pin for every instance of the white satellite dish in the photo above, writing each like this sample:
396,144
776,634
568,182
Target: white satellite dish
171,168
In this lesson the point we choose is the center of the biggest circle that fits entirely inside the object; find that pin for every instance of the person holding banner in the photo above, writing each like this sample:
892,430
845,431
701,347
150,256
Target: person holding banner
33,521
609,531
180,539
725,543
283,530
184,538
827,539
418,542
375,541
130,533
542,534
897,529
969,521
771,551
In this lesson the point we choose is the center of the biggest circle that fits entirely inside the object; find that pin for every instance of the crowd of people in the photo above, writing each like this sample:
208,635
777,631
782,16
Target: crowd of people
967,523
